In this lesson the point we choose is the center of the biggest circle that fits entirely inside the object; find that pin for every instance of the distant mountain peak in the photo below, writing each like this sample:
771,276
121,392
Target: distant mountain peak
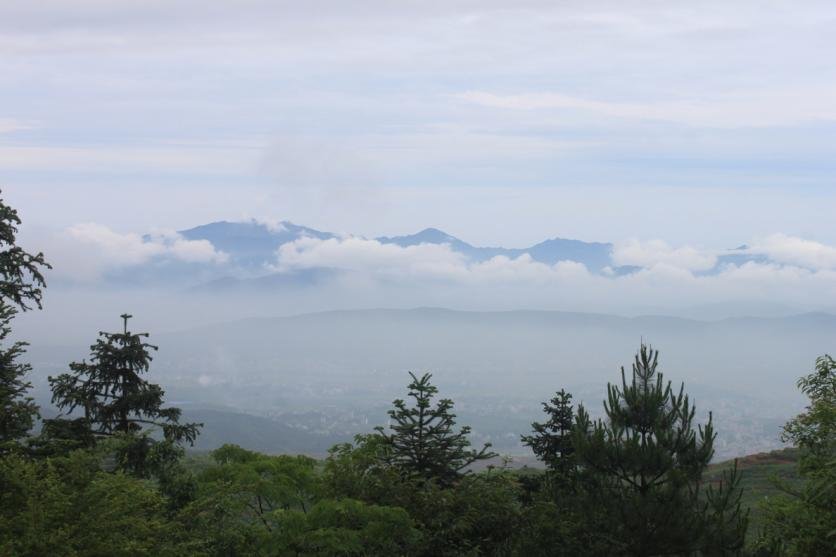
425,236
252,243
436,235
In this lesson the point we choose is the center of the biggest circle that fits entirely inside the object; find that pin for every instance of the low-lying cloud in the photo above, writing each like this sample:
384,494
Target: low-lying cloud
133,249
423,261
668,276
647,254
792,250
793,272
86,251
362,255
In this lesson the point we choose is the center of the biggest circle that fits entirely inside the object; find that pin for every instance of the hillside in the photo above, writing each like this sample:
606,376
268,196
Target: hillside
759,474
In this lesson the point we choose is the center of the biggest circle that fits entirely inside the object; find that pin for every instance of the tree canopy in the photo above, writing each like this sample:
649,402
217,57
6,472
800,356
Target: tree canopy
115,399
803,520
645,463
424,442
21,286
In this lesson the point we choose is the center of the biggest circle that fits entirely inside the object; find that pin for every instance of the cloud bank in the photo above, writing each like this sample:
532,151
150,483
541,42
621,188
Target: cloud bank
801,272
651,253
796,251
86,251
93,262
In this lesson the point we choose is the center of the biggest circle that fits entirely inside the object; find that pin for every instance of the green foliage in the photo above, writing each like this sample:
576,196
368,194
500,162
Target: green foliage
557,528
61,436
423,443
17,410
420,468
21,283
21,276
344,527
725,519
758,475
644,465
68,506
477,515
557,519
551,442
815,429
116,401
802,521
362,471
254,504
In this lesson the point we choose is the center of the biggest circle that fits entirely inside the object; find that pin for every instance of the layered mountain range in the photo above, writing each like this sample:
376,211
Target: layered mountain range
251,255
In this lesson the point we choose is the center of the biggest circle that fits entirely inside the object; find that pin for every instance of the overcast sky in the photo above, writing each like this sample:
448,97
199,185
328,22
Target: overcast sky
700,123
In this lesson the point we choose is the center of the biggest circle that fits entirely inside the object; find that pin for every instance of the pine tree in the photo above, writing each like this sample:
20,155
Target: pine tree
21,283
551,441
424,443
645,465
115,399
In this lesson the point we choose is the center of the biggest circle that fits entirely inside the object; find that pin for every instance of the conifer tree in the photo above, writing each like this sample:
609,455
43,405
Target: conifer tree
551,441
18,411
114,397
21,283
424,444
645,464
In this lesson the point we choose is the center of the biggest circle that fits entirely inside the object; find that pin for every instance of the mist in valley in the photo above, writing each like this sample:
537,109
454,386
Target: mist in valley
303,369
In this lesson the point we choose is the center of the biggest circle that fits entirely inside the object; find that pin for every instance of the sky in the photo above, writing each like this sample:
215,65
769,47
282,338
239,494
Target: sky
707,123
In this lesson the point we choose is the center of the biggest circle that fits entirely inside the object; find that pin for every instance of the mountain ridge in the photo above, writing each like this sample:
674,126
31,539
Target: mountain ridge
251,256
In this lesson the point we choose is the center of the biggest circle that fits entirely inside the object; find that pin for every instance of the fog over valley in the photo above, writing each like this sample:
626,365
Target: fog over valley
331,374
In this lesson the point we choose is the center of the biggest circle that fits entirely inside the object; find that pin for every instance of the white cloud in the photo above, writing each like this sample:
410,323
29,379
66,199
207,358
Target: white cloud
525,269
662,267
118,249
191,251
670,278
792,250
272,224
379,274
420,262
371,256
105,248
755,108
655,252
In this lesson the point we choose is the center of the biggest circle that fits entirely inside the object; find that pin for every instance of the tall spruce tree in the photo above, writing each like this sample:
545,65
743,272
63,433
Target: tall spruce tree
115,399
21,284
644,465
423,443
551,441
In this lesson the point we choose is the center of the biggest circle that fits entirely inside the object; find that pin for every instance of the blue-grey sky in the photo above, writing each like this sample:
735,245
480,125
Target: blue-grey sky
707,124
